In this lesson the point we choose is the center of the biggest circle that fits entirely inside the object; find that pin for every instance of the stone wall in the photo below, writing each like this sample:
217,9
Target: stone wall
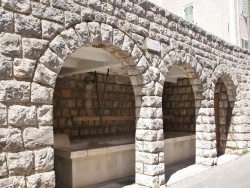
178,104
73,97
37,36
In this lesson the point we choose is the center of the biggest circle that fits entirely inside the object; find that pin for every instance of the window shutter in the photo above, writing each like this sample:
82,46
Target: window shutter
245,8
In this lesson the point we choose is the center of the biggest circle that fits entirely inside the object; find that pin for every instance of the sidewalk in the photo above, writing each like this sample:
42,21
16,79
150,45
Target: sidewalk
178,174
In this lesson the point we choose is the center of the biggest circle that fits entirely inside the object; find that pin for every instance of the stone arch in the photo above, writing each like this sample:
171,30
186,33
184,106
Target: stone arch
196,75
224,105
98,35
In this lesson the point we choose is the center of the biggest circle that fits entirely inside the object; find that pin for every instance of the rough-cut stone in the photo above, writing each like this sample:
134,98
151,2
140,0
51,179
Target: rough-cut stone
128,44
51,61
59,46
71,19
37,137
20,163
41,94
71,38
87,14
118,38
5,65
22,6
3,166
66,5
10,139
50,29
44,159
147,181
14,91
45,115
45,76
107,33
146,135
50,13
27,25
42,180
155,169
95,31
83,32
23,68
3,115
6,20
19,116
148,158
146,123
153,147
13,182
33,48
10,44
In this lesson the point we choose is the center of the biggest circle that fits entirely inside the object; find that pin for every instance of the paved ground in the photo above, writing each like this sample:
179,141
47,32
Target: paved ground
234,174
230,173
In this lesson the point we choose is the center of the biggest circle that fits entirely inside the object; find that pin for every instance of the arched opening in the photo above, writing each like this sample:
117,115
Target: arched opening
94,106
179,118
223,108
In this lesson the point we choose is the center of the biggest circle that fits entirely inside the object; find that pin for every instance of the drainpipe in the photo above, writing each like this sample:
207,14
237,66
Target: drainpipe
232,22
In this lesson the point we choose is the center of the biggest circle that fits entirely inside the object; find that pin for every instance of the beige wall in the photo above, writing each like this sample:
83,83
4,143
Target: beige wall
214,16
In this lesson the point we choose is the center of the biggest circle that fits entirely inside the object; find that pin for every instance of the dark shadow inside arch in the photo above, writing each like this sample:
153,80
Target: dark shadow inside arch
94,120
179,121
223,113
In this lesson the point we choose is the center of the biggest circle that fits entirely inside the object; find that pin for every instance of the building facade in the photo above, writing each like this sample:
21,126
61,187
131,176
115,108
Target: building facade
227,19
166,59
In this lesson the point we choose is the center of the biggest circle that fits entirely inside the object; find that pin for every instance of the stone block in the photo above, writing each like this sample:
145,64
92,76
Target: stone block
147,181
23,68
139,167
107,33
3,115
118,38
67,5
3,166
151,101
71,38
45,76
147,158
128,45
10,139
83,32
10,44
154,169
95,32
50,29
38,137
95,4
149,112
136,54
147,123
41,94
44,159
100,17
153,147
18,6
19,116
50,13
6,20
13,182
71,18
205,161
45,115
5,65
33,48
59,46
205,144
14,91
41,180
146,135
20,163
27,25
87,14
51,61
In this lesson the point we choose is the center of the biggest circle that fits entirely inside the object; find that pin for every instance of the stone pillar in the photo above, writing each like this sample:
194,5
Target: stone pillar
150,168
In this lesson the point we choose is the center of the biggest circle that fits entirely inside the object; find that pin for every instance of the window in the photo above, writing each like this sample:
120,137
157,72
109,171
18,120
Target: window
244,43
189,13
244,8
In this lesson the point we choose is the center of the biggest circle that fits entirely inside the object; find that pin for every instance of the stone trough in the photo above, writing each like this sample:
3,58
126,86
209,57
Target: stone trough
83,163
